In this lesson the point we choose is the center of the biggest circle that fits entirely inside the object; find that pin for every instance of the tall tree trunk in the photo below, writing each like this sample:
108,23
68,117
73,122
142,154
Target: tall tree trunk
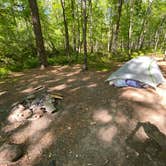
96,46
164,47
38,33
131,3
85,66
74,24
157,35
67,45
91,27
144,26
78,38
78,46
109,39
116,27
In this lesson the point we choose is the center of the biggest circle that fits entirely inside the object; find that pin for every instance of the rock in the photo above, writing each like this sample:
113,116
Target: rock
15,113
10,152
155,134
48,104
19,115
36,116
152,148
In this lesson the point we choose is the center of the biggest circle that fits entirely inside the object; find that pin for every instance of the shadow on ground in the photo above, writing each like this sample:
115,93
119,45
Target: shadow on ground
92,125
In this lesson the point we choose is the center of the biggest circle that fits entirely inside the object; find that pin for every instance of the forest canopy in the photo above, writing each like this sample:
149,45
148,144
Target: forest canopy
71,28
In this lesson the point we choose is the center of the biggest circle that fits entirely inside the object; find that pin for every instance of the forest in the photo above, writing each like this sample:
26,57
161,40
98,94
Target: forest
78,31
82,82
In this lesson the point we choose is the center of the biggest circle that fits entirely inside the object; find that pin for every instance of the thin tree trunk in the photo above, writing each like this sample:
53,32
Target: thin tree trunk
130,28
116,27
78,38
109,40
74,24
38,33
78,46
144,26
67,45
111,37
157,40
157,35
85,66
96,46
91,26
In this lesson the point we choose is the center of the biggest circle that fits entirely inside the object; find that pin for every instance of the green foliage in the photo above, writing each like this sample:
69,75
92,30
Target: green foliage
4,72
17,44
28,63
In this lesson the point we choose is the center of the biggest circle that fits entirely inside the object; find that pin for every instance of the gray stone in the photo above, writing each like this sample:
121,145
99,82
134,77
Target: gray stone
10,152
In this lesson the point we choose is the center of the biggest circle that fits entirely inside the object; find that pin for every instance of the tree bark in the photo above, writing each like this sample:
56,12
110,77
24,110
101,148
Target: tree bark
91,27
85,66
157,34
116,27
131,3
67,45
144,26
78,40
38,33
109,39
74,24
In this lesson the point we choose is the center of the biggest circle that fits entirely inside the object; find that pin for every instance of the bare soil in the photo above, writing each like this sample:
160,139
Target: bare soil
92,124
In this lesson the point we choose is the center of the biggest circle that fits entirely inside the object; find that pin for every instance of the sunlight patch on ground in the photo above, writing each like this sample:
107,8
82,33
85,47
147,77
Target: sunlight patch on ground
72,73
121,118
157,117
92,85
10,127
86,78
28,90
162,94
2,82
34,83
54,80
31,130
75,89
15,74
102,116
71,80
139,95
36,150
40,76
107,133
77,66
2,92
51,81
58,87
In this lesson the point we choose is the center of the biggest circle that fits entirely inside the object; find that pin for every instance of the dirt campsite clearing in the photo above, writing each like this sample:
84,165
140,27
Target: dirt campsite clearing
92,124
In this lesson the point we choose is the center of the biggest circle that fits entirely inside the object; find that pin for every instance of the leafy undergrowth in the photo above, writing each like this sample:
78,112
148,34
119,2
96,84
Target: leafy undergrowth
99,61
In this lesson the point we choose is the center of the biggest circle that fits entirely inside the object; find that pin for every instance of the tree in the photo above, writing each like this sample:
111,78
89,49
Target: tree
104,26
131,7
67,45
91,26
74,24
144,25
38,33
116,25
84,28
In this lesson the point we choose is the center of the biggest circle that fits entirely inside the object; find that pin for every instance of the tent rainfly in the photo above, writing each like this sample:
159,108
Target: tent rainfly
142,70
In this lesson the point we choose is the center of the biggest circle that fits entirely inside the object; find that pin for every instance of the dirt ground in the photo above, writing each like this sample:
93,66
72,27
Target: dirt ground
92,124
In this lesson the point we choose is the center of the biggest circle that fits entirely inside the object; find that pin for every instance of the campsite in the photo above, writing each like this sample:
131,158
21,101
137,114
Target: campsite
82,83
93,123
